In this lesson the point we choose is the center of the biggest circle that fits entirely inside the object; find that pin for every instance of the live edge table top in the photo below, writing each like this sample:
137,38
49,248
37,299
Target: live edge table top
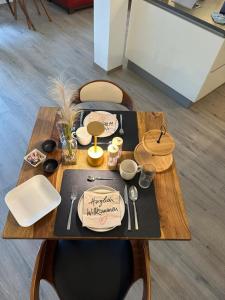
173,219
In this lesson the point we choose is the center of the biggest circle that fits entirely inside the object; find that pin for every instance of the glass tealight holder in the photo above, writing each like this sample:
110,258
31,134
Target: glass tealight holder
146,176
69,152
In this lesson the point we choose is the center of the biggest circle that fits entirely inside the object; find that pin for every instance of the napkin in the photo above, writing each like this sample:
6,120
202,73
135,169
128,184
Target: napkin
101,210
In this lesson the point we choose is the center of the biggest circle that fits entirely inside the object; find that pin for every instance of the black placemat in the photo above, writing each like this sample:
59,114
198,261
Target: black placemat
149,226
130,137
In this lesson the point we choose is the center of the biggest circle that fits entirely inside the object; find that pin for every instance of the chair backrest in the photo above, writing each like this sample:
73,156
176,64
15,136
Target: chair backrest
103,91
66,265
93,269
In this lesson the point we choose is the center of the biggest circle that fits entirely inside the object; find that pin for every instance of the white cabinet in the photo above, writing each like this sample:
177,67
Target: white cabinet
178,53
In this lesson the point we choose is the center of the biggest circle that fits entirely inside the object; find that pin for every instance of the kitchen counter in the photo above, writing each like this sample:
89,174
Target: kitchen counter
179,50
198,15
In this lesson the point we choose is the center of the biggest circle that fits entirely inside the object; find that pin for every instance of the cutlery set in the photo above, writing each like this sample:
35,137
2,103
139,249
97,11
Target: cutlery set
130,193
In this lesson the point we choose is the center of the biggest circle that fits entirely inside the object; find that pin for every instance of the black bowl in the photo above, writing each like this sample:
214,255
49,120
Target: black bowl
49,146
50,165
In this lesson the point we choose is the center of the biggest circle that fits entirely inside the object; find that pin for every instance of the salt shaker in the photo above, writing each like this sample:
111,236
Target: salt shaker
118,141
113,151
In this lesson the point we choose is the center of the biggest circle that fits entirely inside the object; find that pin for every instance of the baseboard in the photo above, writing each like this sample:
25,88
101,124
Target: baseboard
159,84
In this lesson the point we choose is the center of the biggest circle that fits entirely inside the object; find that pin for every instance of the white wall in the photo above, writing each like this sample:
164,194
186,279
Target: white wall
110,17
175,51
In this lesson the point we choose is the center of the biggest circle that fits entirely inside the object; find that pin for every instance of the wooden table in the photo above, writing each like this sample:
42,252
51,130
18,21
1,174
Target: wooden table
173,220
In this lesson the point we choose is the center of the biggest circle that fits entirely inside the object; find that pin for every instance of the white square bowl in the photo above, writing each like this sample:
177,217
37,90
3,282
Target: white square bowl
42,159
32,200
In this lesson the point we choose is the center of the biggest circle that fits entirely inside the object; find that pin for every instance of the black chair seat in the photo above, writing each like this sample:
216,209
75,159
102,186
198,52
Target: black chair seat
86,270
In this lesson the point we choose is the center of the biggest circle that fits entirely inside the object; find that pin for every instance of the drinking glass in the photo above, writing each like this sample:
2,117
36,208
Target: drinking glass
146,176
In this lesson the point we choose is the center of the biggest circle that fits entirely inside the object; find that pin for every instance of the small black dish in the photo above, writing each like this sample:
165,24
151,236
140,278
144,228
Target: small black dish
50,165
48,146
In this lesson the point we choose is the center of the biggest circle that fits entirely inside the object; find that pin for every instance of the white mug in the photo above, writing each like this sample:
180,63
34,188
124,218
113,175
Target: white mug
128,169
83,137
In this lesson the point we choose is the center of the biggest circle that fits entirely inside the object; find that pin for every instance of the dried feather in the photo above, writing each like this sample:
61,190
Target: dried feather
63,92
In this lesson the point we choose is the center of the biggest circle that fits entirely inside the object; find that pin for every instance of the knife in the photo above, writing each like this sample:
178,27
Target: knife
128,208
81,118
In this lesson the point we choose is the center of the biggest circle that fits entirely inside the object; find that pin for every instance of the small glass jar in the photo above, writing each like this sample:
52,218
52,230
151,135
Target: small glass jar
113,151
147,175
69,152
118,141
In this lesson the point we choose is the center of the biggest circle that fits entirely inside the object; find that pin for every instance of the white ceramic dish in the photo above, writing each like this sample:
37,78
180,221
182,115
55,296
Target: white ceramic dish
32,200
109,120
29,158
103,190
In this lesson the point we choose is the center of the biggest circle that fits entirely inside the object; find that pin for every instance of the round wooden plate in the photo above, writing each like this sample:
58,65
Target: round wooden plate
161,163
165,147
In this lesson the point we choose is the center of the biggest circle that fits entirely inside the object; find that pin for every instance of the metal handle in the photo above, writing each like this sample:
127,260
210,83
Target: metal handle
135,217
121,121
70,217
101,178
129,222
81,118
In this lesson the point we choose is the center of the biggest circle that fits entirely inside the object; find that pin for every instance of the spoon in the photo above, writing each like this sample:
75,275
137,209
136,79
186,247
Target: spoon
133,195
104,143
93,178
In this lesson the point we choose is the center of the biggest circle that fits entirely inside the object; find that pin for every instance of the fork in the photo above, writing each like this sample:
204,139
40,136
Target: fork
121,131
73,197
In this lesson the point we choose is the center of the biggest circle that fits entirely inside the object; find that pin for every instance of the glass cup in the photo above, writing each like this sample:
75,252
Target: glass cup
146,176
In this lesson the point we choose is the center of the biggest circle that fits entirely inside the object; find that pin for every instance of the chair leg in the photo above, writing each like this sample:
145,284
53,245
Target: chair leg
142,265
36,5
15,9
24,10
47,14
10,7
43,268
147,274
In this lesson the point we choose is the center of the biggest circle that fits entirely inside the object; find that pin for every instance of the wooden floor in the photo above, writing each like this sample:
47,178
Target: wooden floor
180,270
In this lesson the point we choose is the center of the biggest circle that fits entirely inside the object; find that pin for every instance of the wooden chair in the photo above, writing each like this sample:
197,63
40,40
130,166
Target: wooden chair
10,7
102,269
103,91
23,6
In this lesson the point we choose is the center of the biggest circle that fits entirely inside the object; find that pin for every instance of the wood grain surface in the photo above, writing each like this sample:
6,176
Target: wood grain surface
161,163
173,220
164,147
